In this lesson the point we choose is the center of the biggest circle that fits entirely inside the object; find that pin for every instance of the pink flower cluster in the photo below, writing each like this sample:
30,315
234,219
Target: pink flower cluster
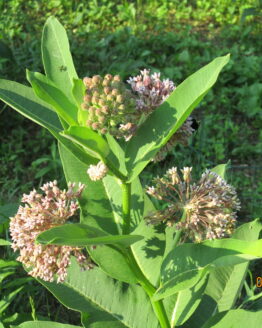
151,91
40,213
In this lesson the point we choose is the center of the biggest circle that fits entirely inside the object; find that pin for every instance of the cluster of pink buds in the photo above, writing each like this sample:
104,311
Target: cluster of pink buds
40,213
109,105
207,208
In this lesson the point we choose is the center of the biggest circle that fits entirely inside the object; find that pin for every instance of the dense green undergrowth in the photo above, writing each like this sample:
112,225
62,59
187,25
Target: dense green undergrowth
173,37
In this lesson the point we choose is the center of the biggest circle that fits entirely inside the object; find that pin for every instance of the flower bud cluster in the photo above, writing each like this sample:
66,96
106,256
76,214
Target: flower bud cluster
40,213
109,104
208,207
97,172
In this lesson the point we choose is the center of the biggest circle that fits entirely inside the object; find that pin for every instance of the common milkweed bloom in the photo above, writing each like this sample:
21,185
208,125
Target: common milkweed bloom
207,208
40,213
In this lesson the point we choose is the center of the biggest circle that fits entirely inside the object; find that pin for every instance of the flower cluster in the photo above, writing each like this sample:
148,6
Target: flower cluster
97,172
110,105
42,212
180,137
208,208
111,108
151,91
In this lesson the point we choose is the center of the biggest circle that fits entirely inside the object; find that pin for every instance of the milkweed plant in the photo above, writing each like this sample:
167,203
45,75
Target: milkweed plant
125,263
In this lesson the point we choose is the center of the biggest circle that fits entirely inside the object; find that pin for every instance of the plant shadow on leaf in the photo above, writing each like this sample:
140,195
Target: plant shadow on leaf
149,138
154,247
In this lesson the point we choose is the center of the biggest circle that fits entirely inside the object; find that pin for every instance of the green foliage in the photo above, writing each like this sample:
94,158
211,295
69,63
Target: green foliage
123,51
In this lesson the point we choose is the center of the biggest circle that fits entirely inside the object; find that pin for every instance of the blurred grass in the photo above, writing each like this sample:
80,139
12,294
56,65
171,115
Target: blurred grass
173,37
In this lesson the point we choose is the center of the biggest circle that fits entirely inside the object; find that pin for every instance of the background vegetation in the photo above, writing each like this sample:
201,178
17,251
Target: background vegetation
174,37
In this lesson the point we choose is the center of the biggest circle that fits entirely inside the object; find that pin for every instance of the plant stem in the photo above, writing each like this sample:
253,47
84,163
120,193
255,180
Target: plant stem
146,285
158,306
126,206
179,232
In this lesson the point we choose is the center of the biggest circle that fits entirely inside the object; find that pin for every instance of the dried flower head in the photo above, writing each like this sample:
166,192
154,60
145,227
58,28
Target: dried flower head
42,212
97,172
209,206
109,105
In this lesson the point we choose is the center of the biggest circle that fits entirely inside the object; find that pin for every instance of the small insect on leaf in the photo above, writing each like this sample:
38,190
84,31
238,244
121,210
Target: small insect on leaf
62,68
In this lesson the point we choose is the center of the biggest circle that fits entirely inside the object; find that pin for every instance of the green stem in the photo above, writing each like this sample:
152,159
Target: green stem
126,206
146,285
179,232
158,306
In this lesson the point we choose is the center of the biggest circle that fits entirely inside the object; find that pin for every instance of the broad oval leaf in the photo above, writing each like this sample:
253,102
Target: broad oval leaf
57,59
167,119
82,235
84,289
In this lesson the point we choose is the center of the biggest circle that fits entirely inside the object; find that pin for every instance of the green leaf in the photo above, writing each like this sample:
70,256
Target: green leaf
167,119
95,206
97,318
187,263
225,283
117,154
23,100
235,319
118,268
82,235
78,92
91,141
44,324
221,169
181,306
84,289
57,59
149,251
4,242
6,300
46,90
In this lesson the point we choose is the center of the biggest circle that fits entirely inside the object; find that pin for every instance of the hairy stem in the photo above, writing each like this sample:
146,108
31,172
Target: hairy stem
126,206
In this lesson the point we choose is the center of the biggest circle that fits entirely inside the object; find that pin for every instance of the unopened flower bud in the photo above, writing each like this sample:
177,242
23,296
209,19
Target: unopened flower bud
105,109
105,83
114,92
87,98
107,90
96,125
117,78
87,81
104,130
89,123
84,106
96,79
119,99
108,77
